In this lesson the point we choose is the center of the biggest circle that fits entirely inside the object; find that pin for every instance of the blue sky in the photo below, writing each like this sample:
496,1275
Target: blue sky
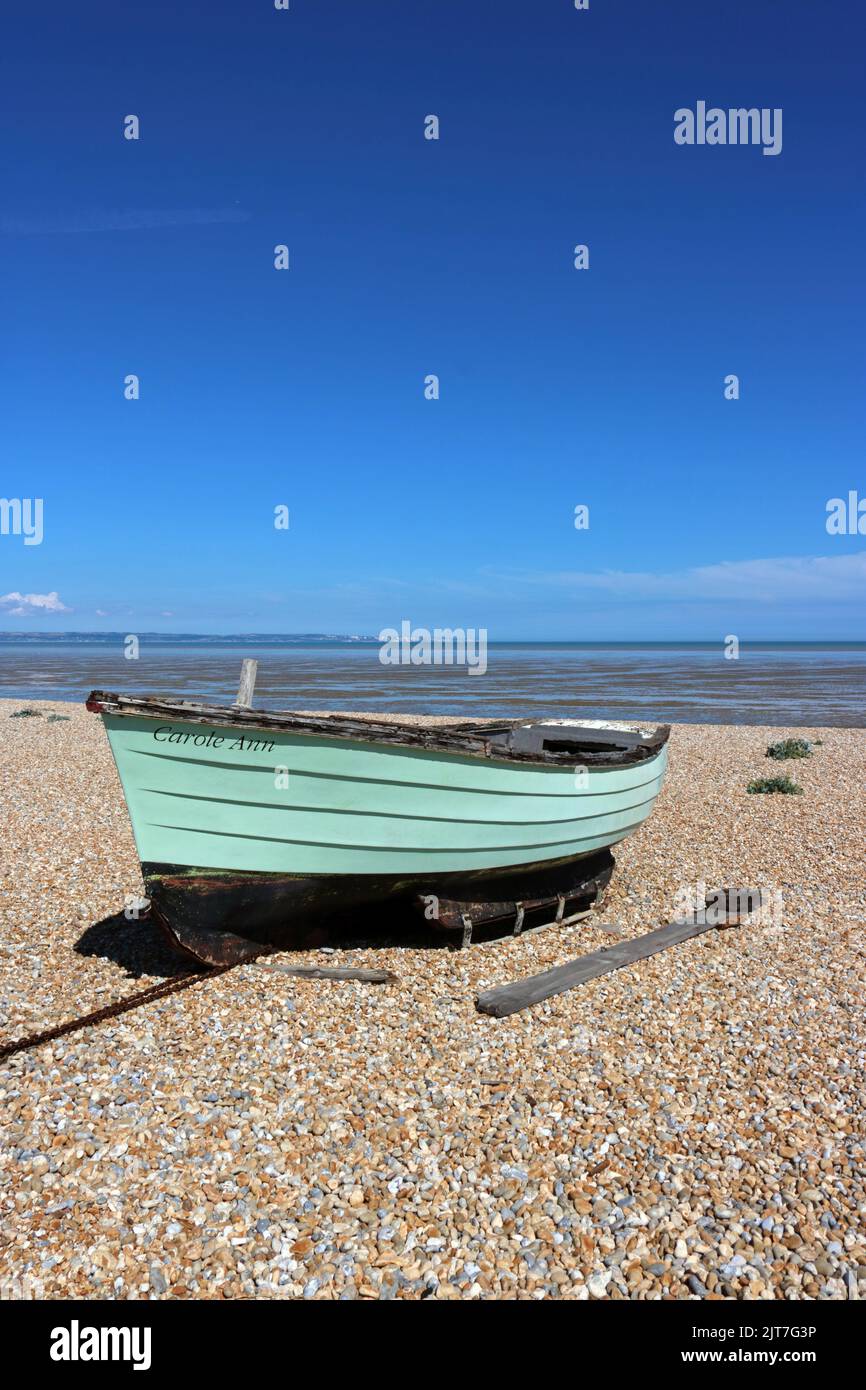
409,257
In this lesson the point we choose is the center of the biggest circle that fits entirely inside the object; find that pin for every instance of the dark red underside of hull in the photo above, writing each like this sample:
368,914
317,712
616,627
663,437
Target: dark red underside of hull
222,918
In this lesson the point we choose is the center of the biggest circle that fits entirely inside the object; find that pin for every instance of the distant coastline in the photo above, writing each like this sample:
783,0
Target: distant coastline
300,639
9,637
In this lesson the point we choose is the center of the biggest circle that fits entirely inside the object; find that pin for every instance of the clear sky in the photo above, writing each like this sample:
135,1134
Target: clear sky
409,257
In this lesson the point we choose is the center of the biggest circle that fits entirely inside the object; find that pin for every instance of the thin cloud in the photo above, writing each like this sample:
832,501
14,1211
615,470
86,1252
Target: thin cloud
115,220
25,605
835,578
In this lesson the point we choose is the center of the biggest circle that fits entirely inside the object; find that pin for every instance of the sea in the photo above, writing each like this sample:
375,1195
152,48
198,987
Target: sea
778,683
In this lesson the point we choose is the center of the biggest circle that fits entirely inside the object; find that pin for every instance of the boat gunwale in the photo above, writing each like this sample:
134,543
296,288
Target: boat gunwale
472,738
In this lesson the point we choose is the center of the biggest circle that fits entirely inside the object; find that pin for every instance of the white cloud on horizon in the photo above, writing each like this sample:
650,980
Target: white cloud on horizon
25,605
788,580
836,578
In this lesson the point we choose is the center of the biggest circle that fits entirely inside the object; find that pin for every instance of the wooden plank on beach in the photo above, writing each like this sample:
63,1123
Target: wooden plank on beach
510,999
328,972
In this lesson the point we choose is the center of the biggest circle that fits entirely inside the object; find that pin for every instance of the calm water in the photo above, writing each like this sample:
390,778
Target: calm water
785,683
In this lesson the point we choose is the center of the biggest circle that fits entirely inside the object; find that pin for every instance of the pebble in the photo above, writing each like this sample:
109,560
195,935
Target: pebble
598,1285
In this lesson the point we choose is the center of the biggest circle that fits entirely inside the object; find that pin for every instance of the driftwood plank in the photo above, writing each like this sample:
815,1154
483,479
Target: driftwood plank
336,972
510,999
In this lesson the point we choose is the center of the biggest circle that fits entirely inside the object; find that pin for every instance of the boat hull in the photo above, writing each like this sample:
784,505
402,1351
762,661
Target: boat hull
222,918
263,834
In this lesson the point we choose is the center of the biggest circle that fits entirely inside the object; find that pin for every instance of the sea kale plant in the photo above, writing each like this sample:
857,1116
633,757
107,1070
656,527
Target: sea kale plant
775,784
790,748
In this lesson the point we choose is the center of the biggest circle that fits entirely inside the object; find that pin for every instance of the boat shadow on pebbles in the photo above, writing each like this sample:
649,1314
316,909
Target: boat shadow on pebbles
139,947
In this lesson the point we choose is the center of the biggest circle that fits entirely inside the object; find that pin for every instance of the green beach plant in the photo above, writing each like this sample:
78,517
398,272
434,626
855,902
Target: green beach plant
790,748
784,785
58,719
26,713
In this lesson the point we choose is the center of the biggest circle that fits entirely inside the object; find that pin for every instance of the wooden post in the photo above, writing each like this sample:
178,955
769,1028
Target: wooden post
247,685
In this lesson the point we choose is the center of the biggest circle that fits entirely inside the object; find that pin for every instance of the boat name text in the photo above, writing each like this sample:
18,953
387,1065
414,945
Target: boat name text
166,733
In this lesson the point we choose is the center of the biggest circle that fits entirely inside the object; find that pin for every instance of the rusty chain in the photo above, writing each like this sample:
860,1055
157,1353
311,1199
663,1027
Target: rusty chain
133,1001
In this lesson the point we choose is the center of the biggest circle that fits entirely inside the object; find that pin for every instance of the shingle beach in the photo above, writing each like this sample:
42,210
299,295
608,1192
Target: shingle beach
689,1127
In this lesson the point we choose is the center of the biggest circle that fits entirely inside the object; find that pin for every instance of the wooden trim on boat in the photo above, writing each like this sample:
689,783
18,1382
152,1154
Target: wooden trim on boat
543,742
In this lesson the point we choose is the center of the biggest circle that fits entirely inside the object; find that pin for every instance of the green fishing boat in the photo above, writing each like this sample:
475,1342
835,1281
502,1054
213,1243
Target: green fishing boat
255,827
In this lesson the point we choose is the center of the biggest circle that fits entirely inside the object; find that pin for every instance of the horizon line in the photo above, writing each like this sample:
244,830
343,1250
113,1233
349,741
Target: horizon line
367,638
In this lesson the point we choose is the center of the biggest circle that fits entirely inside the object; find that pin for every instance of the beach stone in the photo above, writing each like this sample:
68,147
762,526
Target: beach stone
597,1285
